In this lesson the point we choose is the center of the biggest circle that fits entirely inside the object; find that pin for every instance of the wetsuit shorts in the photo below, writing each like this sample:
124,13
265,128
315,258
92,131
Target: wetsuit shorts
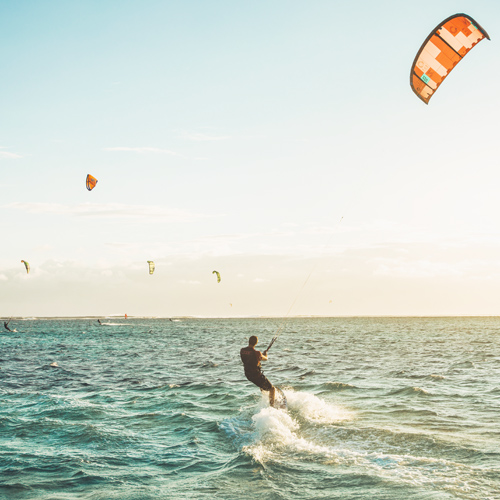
259,379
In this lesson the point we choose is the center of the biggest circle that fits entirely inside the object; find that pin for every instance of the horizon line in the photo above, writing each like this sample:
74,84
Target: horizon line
298,316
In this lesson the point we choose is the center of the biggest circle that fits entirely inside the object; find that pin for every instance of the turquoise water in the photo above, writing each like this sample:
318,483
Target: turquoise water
379,408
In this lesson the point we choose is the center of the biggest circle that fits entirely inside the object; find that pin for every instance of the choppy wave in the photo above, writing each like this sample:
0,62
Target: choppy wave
169,414
409,391
279,437
337,386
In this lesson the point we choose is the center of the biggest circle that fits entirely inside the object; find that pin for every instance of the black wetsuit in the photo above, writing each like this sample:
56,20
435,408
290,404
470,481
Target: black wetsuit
253,372
6,325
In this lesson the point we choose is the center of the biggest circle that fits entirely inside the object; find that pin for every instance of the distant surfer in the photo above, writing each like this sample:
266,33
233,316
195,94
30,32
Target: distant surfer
6,325
251,360
99,321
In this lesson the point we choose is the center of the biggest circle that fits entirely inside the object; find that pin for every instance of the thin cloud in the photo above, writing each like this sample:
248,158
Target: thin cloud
143,150
107,210
244,236
8,154
418,268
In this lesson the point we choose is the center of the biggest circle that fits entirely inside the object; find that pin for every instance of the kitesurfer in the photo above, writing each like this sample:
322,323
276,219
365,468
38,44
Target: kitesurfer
251,360
99,321
6,325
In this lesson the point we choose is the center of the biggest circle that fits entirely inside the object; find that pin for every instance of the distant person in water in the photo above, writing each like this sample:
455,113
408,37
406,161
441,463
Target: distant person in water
251,360
99,321
6,325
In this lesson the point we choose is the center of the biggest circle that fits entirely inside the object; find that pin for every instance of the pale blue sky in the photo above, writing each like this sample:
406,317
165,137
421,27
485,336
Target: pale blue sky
234,135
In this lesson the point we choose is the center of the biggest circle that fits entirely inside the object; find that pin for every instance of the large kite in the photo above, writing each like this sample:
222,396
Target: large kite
218,275
27,266
442,50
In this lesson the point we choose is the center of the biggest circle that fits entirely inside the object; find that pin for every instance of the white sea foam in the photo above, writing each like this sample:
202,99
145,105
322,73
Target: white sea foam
276,433
314,409
419,390
276,425
279,431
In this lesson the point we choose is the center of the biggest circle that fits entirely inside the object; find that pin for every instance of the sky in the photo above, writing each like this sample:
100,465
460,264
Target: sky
277,142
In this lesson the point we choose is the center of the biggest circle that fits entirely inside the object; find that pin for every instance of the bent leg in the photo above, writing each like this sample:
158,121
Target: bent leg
272,392
260,380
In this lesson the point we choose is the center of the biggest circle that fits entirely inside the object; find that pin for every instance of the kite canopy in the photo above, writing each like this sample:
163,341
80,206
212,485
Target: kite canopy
442,50
218,275
151,266
26,265
91,182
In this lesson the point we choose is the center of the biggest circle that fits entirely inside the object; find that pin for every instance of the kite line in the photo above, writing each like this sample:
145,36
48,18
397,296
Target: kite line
280,329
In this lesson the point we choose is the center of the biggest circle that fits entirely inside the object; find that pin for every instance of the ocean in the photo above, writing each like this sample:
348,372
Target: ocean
139,409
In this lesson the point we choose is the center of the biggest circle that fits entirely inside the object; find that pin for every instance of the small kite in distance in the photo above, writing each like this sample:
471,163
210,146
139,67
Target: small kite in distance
27,266
151,266
91,182
441,51
218,275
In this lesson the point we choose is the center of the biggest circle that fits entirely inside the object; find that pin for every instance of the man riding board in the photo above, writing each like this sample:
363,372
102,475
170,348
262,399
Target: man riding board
251,360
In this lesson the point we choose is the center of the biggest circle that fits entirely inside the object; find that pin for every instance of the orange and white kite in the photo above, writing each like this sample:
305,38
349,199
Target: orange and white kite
442,50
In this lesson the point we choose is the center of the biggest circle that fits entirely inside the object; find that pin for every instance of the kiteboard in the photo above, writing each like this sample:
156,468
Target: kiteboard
280,402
